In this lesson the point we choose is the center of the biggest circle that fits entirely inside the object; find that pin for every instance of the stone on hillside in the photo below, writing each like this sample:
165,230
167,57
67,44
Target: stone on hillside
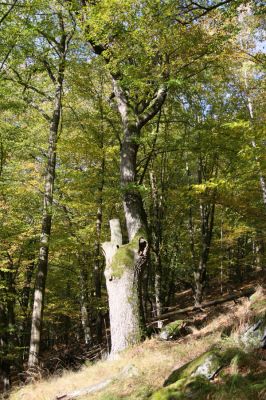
191,378
206,365
172,330
190,388
255,336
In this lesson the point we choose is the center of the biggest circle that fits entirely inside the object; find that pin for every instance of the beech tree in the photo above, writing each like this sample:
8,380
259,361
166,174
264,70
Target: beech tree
151,130
46,50
131,58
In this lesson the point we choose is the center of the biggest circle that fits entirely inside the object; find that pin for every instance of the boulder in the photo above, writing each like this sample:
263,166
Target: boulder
191,388
185,382
254,337
173,330
206,365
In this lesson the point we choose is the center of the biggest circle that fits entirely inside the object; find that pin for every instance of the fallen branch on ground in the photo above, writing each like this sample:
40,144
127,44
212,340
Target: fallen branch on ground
243,293
129,370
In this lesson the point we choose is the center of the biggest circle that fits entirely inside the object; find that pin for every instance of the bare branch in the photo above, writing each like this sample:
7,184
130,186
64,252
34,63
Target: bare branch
6,57
205,11
26,85
49,70
154,107
8,12
40,110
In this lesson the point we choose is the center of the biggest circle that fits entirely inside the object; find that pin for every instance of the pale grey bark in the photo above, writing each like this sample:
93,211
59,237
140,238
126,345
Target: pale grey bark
97,245
4,362
253,141
84,302
132,123
38,303
122,292
157,233
125,302
45,234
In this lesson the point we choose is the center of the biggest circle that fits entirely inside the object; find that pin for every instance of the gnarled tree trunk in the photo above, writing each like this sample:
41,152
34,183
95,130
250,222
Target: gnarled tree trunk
123,263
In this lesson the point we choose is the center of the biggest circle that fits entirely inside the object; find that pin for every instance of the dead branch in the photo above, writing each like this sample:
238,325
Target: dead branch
220,300
129,370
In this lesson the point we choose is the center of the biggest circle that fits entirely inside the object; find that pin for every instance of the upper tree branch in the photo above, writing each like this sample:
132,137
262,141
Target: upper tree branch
39,109
6,57
122,101
154,107
8,12
26,85
205,10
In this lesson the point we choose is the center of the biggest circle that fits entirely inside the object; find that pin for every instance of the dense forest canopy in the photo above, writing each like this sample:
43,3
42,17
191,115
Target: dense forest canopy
147,112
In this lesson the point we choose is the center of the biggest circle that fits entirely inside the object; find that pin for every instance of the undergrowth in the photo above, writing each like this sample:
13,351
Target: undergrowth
242,379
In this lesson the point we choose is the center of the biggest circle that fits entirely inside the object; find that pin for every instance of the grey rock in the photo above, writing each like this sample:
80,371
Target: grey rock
208,368
254,336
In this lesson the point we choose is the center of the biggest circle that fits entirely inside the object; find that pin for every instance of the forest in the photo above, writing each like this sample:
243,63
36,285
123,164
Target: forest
132,169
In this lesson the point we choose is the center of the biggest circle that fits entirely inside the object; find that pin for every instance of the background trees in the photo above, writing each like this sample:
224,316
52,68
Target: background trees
160,106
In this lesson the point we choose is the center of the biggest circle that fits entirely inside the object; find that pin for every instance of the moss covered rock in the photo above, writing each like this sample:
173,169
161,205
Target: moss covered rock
172,330
254,336
206,365
191,388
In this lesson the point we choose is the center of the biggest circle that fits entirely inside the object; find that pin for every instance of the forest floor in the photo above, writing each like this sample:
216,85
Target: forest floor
150,363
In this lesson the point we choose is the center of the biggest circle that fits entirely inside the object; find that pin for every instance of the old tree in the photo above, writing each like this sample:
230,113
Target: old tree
143,118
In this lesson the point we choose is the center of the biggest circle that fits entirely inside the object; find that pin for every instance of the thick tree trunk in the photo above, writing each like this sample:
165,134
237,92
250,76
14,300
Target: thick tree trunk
135,214
133,206
45,233
121,282
123,268
124,263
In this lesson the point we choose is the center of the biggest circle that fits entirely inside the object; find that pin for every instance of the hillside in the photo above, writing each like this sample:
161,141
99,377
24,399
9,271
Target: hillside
132,190
142,370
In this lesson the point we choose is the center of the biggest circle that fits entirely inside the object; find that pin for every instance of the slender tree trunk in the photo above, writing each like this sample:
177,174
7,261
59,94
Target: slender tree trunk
207,221
84,299
157,238
4,362
98,271
97,246
261,177
7,322
25,297
85,320
253,142
38,303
